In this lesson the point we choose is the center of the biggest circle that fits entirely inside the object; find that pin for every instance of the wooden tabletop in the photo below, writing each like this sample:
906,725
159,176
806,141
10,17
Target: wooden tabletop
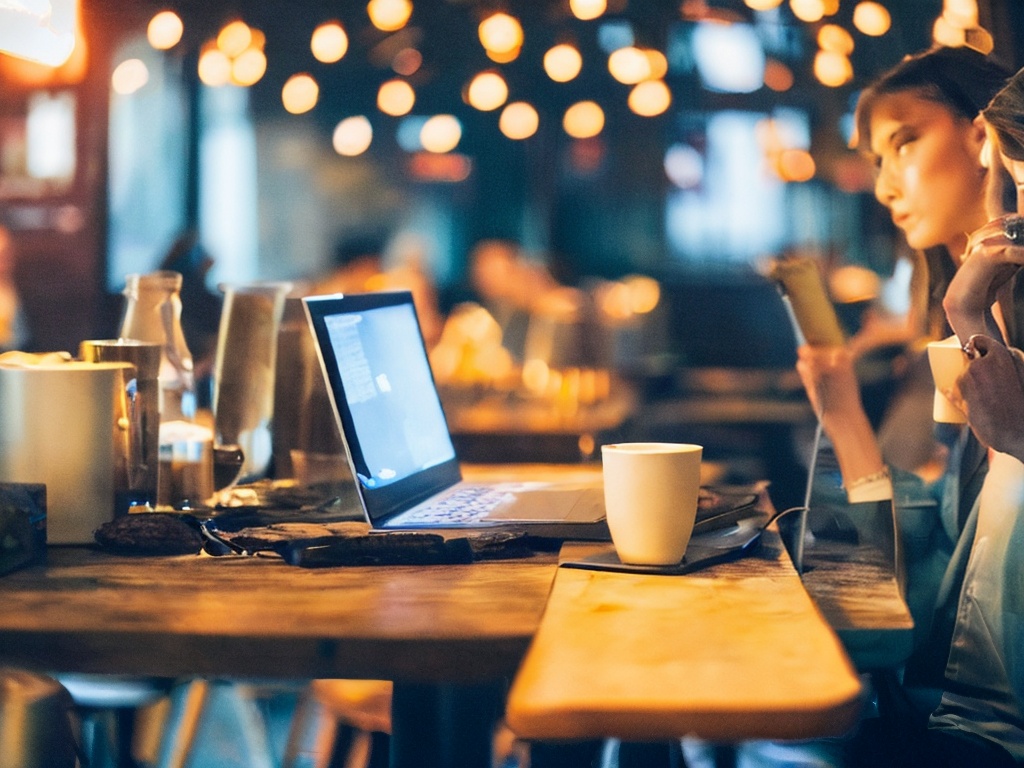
85,611
738,651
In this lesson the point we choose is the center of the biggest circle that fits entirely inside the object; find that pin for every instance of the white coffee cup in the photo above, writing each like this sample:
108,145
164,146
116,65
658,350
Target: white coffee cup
650,496
947,361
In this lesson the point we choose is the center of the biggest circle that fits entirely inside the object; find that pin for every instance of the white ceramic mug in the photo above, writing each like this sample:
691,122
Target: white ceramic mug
650,493
947,361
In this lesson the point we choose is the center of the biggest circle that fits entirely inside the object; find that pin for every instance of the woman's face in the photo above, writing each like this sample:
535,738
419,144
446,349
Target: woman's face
929,174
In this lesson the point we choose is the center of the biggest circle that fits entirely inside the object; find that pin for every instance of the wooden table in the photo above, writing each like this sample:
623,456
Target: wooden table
735,652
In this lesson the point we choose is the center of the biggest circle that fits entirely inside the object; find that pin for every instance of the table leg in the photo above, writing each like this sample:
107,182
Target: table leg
444,726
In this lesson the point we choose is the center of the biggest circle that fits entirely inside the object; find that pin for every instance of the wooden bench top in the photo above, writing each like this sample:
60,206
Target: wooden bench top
734,652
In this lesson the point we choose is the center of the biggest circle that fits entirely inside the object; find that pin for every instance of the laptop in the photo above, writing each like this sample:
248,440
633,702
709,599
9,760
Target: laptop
396,436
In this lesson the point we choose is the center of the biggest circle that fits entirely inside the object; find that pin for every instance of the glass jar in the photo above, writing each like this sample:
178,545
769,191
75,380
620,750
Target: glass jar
152,312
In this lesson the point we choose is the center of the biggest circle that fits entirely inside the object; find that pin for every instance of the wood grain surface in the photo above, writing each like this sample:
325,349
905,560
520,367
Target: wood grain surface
738,651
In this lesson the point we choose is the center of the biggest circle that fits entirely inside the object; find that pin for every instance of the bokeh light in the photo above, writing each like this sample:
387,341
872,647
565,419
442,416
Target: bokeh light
248,67
352,136
395,98
487,91
650,98
300,94
795,165
832,69
329,42
807,10
389,15
234,38
871,18
214,67
656,62
832,37
684,166
562,62
501,33
583,120
165,30
519,120
441,133
763,5
629,65
129,76
407,61
585,10
777,76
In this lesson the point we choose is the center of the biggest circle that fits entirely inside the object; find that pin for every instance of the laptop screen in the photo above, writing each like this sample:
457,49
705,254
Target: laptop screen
385,398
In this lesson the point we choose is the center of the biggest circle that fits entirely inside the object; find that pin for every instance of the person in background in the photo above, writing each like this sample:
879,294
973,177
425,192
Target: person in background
200,307
12,326
980,716
917,123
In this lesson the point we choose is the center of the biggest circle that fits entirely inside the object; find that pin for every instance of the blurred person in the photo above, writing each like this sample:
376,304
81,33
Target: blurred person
200,307
12,325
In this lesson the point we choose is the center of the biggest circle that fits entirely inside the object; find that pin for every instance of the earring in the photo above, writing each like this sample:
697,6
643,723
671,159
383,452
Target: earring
985,156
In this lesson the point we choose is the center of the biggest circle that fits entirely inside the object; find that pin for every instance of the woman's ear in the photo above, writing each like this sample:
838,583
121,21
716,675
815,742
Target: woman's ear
980,142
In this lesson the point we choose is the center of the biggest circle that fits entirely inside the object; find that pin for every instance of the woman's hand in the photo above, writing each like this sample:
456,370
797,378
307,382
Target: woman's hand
990,261
991,393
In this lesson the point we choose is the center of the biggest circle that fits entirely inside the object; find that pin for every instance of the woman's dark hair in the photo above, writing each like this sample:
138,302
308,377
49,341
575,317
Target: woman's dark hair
1005,114
961,79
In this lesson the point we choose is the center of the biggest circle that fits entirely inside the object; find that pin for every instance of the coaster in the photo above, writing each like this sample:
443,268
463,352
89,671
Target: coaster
703,551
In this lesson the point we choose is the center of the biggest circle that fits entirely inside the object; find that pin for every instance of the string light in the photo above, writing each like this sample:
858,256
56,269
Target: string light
389,15
871,18
165,30
329,42
562,63
300,94
352,136
395,98
519,120
583,120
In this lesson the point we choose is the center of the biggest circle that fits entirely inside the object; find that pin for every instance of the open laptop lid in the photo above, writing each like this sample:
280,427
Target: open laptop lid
383,394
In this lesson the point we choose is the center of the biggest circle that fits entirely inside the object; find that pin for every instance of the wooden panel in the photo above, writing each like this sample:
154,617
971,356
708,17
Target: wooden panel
737,652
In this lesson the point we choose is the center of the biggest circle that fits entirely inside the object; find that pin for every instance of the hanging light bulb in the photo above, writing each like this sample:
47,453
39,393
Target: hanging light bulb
329,42
395,98
389,15
165,30
519,120
563,62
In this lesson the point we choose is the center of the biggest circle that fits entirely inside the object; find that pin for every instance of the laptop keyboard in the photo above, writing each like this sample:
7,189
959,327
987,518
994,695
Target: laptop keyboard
462,505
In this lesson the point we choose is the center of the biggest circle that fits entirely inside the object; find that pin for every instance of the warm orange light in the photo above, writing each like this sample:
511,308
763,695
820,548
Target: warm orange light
807,10
583,120
214,67
650,98
585,10
441,133
389,15
796,165
762,5
519,120
407,61
300,94
41,32
329,42
832,37
395,98
165,30
129,76
629,65
832,69
352,136
656,62
871,18
961,13
504,57
487,91
248,67
500,33
563,62
777,76
234,38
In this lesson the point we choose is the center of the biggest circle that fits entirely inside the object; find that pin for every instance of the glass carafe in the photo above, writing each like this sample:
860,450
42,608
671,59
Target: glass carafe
152,312
243,373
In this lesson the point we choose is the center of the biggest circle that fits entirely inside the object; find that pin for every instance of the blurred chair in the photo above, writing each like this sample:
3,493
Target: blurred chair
35,722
